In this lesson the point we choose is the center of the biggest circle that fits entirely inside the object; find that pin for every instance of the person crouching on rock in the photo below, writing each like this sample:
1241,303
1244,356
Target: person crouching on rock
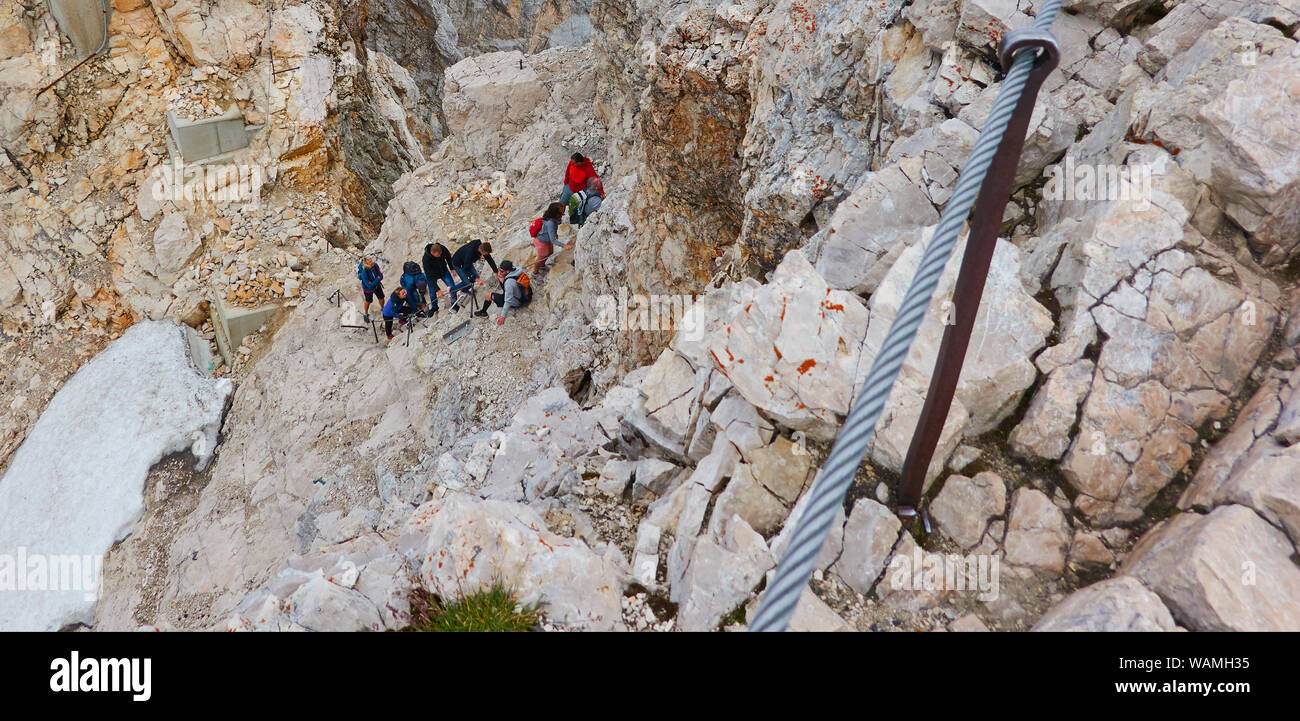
546,235
370,275
516,291
417,287
463,260
399,306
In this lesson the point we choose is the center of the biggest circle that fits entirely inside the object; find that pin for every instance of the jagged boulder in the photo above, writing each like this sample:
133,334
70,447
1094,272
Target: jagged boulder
1116,605
1226,571
460,544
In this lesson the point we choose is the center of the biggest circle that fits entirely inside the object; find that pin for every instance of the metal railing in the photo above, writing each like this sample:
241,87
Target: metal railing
1029,55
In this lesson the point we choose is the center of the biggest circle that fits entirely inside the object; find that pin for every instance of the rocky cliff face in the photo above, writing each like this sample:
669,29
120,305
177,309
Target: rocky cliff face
1120,436
103,226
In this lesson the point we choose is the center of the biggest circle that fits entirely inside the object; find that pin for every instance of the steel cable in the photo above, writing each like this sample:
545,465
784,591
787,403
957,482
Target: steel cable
846,455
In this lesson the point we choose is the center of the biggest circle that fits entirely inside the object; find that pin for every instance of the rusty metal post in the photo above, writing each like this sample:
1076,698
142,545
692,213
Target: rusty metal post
986,221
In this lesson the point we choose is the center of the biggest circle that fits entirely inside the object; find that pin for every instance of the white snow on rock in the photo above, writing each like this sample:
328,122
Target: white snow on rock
75,486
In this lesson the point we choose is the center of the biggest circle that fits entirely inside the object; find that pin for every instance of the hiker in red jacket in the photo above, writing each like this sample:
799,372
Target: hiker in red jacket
580,170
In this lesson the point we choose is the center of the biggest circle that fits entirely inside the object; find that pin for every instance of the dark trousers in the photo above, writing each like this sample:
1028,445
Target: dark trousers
388,323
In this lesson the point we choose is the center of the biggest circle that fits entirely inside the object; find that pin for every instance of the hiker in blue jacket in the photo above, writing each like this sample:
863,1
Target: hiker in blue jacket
370,275
399,306
417,287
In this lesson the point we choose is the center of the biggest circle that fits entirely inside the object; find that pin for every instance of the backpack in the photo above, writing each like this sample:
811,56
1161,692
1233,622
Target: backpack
527,285
411,268
535,228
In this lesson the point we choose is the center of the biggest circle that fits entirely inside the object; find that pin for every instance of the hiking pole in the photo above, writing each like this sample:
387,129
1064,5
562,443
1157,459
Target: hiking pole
829,489
410,327
986,221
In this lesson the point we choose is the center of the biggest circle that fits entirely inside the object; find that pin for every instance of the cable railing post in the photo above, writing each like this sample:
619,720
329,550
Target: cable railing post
986,221
832,484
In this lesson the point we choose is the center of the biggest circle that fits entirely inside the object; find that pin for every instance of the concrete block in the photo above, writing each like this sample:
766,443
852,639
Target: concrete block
233,324
202,139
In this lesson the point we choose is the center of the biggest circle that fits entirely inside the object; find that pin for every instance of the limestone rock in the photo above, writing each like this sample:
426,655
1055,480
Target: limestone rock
1088,548
739,423
542,448
1044,431
214,32
721,576
870,228
463,544
670,405
174,245
1225,571
762,345
491,97
749,499
1118,604
869,536
1037,534
811,614
963,508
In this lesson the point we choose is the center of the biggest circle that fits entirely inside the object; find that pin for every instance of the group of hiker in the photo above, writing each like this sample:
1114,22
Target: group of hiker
417,293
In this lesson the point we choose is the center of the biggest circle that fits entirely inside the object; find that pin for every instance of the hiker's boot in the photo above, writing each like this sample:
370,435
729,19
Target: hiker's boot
366,317
482,313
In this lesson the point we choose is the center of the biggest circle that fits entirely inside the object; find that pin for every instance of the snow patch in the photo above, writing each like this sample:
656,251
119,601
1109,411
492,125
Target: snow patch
75,486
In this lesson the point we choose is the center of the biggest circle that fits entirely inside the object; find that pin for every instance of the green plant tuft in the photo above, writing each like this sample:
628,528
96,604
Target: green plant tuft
489,610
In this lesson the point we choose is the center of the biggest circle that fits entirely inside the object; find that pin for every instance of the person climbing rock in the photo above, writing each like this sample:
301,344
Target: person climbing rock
416,286
516,291
545,234
400,307
576,175
595,197
370,275
436,262
586,201
463,260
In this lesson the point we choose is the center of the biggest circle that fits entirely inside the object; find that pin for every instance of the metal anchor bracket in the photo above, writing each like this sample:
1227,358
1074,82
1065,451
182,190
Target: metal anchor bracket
985,222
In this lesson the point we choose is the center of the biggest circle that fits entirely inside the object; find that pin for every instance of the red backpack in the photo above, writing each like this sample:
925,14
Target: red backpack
535,228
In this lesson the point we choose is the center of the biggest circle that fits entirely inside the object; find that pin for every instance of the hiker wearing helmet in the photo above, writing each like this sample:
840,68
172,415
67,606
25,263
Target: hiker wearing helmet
580,170
516,291
436,262
545,234
399,306
416,286
370,275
